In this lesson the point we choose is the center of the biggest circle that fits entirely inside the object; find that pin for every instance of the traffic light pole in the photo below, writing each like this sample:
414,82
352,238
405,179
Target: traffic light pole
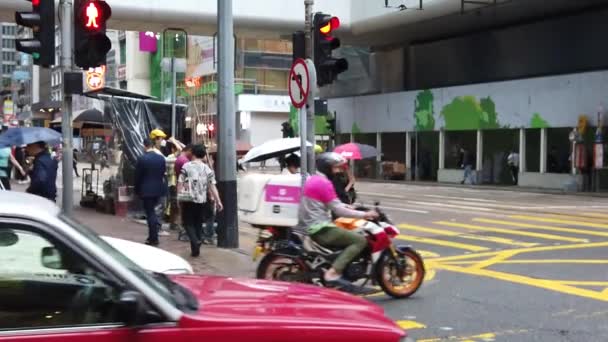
66,113
310,105
228,233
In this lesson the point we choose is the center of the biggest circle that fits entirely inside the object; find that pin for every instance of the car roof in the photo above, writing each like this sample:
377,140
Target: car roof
14,203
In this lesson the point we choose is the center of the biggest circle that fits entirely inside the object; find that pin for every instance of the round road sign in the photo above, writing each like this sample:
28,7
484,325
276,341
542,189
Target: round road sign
299,83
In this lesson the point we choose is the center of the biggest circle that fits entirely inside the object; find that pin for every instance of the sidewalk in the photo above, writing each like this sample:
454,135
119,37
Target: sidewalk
213,260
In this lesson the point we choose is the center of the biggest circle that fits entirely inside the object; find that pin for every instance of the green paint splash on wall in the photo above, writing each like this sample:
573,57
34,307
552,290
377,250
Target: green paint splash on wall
355,129
466,113
537,121
423,111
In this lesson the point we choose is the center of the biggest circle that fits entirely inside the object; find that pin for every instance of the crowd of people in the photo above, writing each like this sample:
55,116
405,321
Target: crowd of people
181,180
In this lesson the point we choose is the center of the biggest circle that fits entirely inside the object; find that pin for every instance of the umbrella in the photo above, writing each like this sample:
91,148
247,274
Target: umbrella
355,151
29,135
272,149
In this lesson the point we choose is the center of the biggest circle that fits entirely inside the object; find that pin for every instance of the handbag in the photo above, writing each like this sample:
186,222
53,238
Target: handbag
184,193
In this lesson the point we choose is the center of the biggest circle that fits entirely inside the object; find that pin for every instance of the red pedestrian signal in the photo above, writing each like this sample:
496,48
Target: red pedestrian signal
92,15
91,44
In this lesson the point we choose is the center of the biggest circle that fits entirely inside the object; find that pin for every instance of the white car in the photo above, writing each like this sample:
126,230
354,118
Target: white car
14,205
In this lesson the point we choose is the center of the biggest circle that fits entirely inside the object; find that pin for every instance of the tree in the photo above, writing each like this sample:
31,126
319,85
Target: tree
423,112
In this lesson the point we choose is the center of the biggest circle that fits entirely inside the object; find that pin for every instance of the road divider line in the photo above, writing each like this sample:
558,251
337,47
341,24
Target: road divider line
542,227
583,283
496,259
597,215
463,198
405,210
536,261
492,239
511,232
525,250
520,279
559,221
443,243
444,205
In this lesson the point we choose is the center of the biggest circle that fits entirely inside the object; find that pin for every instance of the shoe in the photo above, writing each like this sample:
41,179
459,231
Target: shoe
208,242
340,284
164,233
152,243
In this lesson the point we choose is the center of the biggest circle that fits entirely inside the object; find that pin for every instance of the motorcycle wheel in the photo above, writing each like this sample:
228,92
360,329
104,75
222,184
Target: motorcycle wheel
275,266
396,281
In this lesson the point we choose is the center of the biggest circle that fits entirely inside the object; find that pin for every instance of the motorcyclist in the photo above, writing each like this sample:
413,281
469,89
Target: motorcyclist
318,201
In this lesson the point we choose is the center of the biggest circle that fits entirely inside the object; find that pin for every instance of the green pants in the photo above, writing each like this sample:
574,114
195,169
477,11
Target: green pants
334,237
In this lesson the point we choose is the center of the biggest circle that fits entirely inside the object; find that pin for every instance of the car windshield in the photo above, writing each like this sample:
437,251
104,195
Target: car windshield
163,288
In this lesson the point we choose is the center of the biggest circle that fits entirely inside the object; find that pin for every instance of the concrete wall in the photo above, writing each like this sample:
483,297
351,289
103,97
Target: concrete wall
455,176
554,181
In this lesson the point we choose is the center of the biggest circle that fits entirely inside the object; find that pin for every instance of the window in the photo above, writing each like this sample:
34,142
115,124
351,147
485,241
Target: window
44,284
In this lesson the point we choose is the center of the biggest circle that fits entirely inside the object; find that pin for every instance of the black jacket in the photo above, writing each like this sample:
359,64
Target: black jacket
44,176
150,180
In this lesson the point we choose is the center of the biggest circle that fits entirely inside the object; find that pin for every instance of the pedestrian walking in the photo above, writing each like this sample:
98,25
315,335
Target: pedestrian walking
43,177
21,158
466,163
196,184
7,161
150,187
513,163
75,162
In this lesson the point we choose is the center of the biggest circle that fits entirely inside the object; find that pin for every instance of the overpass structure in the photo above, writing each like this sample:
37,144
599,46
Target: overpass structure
360,19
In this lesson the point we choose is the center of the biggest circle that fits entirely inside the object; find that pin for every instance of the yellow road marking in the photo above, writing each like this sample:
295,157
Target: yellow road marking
498,258
554,220
512,232
493,239
534,261
582,282
428,254
480,337
444,243
537,226
520,279
573,217
596,215
410,325
525,250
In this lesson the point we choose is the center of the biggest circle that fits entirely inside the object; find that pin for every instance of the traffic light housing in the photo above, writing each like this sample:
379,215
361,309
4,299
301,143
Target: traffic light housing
42,22
331,126
324,42
91,44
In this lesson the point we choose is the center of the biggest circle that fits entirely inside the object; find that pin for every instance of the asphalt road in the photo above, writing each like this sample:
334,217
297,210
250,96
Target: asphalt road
501,265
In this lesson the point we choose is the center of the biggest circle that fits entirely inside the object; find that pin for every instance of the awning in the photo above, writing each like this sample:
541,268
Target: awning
86,115
108,91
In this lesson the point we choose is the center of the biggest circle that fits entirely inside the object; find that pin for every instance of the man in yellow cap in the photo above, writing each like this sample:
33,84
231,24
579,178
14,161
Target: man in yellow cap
158,138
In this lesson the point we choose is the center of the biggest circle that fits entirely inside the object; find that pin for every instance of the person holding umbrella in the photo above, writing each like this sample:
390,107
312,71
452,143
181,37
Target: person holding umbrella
44,173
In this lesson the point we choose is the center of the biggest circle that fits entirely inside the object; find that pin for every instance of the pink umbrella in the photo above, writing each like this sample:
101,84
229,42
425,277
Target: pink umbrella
356,151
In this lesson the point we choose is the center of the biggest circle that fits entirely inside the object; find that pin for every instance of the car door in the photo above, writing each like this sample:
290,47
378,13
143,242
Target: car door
49,292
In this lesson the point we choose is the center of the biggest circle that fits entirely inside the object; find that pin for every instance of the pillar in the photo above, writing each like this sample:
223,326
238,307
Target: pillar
379,155
543,150
522,150
408,156
441,149
479,161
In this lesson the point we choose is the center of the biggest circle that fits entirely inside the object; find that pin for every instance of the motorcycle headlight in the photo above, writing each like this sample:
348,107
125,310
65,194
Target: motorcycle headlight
178,271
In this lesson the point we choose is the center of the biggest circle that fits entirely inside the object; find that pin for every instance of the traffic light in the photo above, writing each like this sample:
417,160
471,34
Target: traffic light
298,40
327,67
331,126
42,21
91,45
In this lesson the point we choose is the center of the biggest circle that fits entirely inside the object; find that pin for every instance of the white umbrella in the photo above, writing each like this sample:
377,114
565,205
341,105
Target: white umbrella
272,149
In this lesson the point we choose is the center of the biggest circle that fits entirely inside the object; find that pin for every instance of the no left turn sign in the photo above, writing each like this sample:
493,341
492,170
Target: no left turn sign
299,83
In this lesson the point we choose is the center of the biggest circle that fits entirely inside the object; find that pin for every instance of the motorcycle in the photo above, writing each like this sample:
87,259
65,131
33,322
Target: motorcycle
398,270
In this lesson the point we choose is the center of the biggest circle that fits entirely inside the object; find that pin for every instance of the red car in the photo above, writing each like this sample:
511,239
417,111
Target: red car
60,282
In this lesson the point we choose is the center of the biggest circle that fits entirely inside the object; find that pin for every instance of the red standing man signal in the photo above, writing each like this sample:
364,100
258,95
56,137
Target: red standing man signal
92,15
